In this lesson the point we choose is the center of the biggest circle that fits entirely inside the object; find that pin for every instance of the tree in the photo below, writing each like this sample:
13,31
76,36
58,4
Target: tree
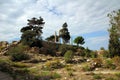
31,34
114,33
64,34
52,38
79,40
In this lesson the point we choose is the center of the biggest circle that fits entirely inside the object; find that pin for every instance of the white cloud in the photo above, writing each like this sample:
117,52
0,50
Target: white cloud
82,16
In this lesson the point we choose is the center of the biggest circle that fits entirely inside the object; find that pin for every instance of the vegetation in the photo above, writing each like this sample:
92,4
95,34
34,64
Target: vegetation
35,59
31,34
114,34
68,56
79,40
52,38
64,33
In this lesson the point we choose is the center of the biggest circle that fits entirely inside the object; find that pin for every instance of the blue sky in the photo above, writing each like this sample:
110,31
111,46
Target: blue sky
87,18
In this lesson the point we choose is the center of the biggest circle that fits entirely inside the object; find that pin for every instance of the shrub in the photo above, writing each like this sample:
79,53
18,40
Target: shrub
97,76
68,56
5,65
106,54
116,60
18,53
109,64
110,78
51,65
19,56
86,68
19,65
46,75
64,48
118,75
97,62
93,54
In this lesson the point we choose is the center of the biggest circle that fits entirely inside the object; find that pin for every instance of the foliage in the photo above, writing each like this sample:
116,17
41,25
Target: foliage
79,40
116,60
114,34
46,75
64,34
93,54
5,65
19,56
97,76
18,53
68,56
106,54
118,75
102,48
109,64
52,38
63,48
87,52
97,62
51,65
86,67
31,34
19,65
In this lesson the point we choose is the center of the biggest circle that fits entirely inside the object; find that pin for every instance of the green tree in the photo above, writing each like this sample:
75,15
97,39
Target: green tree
52,38
114,33
31,34
64,33
79,40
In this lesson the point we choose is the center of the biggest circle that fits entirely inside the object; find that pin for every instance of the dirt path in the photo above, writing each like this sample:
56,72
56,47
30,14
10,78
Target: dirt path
102,72
4,76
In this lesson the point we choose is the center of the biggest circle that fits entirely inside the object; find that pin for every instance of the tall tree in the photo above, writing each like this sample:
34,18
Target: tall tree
114,33
31,34
79,40
64,33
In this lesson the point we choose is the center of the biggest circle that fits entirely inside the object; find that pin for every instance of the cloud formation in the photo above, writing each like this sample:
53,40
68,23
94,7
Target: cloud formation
83,17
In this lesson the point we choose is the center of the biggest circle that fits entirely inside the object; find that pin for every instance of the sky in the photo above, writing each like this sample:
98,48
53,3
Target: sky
87,18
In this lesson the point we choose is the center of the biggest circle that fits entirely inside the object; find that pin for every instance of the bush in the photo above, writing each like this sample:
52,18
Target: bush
19,56
97,62
68,56
97,76
118,75
46,75
116,60
106,54
51,65
109,64
86,68
64,48
18,53
93,54
19,65
5,65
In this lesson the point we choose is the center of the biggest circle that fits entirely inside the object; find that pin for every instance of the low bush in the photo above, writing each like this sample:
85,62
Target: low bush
93,54
5,65
19,65
51,65
18,53
97,62
46,75
116,60
64,48
19,56
97,76
109,64
118,75
86,68
68,56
